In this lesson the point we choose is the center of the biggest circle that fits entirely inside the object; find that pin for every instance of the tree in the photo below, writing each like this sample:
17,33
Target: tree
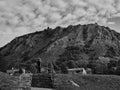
64,68
71,64
72,57
101,65
117,70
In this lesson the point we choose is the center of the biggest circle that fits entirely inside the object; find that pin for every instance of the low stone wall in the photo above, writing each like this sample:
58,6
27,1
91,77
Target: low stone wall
25,81
42,81
8,82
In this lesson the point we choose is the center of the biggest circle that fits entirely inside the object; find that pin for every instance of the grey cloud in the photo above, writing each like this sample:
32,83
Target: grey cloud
18,17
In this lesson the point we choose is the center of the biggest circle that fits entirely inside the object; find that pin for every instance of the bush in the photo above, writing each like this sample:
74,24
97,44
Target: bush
117,71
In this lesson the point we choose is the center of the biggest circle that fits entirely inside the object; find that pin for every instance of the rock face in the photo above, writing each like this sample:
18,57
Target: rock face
80,43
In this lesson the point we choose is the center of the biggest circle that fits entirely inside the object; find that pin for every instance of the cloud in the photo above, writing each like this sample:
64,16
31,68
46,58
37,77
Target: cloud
80,3
58,3
18,17
111,23
117,15
10,33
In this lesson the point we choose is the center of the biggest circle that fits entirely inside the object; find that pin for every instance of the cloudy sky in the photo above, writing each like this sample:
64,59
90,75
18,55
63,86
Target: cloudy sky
18,17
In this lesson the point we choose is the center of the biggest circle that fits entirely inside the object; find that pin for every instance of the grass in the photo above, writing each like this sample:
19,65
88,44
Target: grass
88,82
8,82
62,81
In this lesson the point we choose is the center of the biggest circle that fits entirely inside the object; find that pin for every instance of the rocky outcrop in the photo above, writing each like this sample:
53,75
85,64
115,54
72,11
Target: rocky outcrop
79,42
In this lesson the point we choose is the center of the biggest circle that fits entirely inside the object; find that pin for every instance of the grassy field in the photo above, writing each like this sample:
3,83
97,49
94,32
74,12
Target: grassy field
88,82
70,82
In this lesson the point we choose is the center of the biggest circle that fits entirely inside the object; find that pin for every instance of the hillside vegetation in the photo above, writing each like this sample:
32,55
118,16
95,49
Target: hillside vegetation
89,46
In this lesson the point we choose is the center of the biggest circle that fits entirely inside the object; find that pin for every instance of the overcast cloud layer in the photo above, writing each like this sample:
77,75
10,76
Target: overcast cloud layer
18,17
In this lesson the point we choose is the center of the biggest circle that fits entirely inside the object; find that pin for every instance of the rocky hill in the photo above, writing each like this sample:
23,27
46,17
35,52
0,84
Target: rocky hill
73,46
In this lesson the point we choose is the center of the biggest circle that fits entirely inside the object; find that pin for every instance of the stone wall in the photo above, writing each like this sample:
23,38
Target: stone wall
42,81
25,81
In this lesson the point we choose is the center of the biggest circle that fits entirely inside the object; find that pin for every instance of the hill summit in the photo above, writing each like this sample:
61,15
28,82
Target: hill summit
73,46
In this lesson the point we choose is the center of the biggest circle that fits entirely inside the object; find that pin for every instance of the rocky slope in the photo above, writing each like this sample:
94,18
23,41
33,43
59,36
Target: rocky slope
78,44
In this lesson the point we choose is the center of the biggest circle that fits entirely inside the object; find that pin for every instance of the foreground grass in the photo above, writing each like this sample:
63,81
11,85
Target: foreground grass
63,82
88,82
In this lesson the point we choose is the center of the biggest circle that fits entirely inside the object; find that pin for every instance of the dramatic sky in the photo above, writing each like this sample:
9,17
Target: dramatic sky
18,17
